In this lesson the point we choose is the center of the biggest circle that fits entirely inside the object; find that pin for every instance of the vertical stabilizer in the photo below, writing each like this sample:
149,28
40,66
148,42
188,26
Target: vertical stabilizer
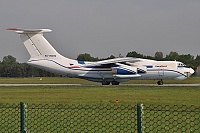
37,46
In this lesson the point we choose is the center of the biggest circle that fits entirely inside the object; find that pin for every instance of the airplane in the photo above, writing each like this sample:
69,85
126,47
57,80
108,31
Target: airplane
114,71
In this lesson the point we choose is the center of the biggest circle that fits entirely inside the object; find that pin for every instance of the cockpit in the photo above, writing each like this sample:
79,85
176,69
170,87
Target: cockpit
179,64
184,70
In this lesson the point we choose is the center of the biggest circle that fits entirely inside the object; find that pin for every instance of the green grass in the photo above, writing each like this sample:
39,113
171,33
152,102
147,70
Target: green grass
82,118
101,94
97,94
57,80
190,80
44,80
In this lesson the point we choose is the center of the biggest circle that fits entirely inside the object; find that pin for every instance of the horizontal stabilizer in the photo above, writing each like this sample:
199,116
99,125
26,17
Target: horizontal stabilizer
29,31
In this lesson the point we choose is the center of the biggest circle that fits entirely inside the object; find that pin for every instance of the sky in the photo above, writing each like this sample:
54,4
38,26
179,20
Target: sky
103,27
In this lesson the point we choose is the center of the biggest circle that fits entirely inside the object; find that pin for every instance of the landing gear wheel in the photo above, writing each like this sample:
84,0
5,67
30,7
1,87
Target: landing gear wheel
160,82
105,83
115,83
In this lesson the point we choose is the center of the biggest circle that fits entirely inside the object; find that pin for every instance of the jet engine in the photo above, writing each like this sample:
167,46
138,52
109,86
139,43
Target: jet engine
125,70
141,69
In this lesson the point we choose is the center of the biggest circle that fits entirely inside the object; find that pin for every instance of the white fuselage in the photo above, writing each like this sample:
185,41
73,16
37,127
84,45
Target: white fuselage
153,70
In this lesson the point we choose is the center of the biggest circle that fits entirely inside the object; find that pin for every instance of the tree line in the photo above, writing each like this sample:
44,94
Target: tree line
9,67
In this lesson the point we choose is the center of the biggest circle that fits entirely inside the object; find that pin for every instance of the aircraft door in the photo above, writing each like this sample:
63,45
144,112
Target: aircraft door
100,74
161,72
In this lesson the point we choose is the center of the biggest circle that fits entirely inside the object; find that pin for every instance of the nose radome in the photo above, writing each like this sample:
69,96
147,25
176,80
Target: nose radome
191,71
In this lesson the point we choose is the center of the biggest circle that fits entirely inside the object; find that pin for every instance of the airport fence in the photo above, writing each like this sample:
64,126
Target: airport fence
53,118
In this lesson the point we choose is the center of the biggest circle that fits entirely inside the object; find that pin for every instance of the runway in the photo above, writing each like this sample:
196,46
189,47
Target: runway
98,85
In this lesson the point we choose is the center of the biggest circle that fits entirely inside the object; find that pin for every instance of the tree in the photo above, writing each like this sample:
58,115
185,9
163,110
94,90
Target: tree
197,61
86,57
172,56
9,67
158,56
197,64
111,57
9,60
134,54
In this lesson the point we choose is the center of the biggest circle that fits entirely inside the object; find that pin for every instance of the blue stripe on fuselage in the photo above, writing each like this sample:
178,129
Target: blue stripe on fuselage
81,62
149,66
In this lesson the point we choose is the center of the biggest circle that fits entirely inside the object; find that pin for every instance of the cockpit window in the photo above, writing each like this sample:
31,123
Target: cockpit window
181,65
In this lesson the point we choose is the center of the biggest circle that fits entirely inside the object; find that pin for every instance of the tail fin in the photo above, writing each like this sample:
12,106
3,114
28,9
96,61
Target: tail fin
34,41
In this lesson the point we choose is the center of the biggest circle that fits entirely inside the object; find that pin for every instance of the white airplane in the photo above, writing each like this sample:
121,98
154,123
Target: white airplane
114,71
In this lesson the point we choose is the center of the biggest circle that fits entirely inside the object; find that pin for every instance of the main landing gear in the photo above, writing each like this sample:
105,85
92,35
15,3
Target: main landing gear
113,83
160,82
105,83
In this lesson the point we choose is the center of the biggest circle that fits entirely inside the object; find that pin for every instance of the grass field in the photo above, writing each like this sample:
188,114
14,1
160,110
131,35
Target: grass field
51,120
57,80
101,94
97,94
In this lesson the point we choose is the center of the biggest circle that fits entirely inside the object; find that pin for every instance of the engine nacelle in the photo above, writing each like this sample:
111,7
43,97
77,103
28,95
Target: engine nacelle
125,70
142,69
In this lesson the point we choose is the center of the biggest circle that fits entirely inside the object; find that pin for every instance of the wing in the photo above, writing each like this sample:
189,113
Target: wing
112,61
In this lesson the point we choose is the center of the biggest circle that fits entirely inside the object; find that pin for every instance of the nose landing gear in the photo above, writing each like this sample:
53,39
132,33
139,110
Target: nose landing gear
160,82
